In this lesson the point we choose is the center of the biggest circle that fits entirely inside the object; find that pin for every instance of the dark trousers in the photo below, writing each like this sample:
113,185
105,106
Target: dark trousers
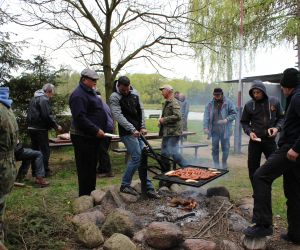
276,165
255,149
40,142
104,165
86,150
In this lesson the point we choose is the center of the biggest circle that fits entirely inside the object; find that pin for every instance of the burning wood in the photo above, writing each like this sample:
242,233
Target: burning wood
185,204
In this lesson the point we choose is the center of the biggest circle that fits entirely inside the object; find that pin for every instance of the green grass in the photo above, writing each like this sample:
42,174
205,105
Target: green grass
40,218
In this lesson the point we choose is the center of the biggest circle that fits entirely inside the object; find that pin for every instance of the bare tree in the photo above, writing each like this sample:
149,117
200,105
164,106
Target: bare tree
110,33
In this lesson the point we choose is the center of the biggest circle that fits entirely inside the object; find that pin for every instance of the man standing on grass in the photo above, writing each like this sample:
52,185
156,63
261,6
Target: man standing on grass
40,119
284,161
128,111
87,129
170,128
219,114
262,119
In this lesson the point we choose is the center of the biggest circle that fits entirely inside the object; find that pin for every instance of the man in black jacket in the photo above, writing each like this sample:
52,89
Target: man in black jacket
40,119
284,161
262,119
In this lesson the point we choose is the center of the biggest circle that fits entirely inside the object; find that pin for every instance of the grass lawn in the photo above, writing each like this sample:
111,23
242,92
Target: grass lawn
39,218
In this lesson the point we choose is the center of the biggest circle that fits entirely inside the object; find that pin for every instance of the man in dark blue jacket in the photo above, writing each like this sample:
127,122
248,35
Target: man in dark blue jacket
284,161
262,119
87,129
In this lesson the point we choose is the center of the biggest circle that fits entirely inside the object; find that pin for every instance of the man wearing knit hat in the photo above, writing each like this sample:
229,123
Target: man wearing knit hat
219,114
284,161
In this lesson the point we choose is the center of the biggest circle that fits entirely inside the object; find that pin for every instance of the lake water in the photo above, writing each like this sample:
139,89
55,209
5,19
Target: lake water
198,116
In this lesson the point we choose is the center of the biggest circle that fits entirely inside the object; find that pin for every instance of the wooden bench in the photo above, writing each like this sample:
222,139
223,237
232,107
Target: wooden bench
154,116
195,146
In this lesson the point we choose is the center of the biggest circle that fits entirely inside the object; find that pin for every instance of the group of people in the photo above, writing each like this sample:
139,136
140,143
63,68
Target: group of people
262,119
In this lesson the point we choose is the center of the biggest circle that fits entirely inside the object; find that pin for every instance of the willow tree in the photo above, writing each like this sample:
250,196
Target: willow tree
267,23
109,34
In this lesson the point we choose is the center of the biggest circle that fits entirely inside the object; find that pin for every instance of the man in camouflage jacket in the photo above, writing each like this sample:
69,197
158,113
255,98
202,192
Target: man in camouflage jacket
170,129
8,141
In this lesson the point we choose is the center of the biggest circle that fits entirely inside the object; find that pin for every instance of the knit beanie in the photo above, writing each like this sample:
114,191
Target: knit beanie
218,91
290,78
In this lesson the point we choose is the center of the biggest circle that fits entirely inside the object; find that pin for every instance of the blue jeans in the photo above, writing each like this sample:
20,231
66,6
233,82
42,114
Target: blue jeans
29,155
170,148
225,145
134,148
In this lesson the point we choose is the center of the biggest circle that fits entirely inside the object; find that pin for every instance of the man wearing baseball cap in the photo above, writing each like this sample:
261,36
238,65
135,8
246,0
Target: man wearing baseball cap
87,129
284,161
170,128
219,115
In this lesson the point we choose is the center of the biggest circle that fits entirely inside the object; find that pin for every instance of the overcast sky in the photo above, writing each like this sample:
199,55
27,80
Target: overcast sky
42,43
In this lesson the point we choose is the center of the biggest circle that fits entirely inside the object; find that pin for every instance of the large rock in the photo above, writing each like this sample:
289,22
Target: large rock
82,204
120,221
128,198
229,245
176,188
199,244
163,235
98,196
119,242
254,243
90,235
96,217
237,223
218,191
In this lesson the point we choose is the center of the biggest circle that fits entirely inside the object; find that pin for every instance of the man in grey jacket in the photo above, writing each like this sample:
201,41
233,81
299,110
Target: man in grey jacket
128,111
40,119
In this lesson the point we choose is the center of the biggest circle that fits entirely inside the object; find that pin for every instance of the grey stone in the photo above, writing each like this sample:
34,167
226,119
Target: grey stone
237,223
218,191
229,245
199,244
254,243
90,235
82,204
119,242
120,221
128,198
96,217
163,235
140,235
176,188
98,196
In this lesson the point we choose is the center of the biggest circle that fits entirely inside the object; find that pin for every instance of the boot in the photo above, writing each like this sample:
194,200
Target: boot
20,177
41,182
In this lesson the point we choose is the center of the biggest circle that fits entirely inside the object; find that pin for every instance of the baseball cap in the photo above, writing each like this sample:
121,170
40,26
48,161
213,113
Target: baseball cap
166,86
90,73
218,91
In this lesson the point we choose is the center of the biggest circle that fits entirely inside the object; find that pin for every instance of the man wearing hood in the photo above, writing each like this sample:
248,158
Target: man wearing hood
284,161
262,119
8,141
40,119
128,111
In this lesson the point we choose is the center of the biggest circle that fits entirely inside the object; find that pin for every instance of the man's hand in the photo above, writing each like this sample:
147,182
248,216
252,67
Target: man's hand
206,131
221,122
292,155
143,131
59,128
253,136
272,132
161,120
100,133
136,133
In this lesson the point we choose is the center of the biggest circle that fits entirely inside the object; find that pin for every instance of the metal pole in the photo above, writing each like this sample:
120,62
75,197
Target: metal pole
238,128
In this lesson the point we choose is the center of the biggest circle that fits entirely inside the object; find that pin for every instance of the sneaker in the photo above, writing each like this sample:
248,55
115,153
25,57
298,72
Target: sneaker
286,237
41,182
258,231
128,190
151,194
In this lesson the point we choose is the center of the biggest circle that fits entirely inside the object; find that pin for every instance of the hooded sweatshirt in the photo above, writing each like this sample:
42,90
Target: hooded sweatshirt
39,114
259,116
